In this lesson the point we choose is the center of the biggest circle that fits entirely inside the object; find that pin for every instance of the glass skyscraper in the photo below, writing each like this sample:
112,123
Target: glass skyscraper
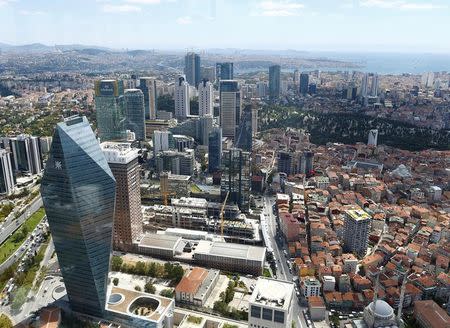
274,81
244,133
110,110
304,81
135,112
192,68
78,191
215,150
230,107
148,87
224,71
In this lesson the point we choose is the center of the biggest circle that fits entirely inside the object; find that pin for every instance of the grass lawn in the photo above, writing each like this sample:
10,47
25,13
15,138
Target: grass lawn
266,273
13,242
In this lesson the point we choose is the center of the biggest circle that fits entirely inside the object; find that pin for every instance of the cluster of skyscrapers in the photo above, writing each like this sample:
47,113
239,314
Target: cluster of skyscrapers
301,82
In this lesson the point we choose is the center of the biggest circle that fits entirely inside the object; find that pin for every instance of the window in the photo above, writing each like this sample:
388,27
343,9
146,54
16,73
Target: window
267,314
256,312
279,316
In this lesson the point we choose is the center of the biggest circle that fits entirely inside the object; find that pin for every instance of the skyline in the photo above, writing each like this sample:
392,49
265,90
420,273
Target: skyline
324,25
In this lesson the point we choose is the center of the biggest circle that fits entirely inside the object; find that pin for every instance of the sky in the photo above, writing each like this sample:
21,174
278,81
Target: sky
309,25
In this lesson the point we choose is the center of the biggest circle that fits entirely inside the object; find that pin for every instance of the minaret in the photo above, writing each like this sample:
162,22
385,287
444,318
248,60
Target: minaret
400,305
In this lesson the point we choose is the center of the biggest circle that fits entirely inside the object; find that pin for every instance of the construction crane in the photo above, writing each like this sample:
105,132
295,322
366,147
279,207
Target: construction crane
221,213
164,186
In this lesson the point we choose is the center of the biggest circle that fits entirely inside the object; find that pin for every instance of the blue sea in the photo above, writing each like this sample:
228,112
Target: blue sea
388,63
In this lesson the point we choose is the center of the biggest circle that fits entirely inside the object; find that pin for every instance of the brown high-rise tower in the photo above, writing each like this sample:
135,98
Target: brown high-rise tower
123,161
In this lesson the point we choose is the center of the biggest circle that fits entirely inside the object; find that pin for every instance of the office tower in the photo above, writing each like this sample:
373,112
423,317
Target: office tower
6,173
297,78
364,85
206,125
162,140
254,121
261,89
123,162
192,68
135,112
374,85
176,162
236,177
78,191
373,138
306,163
274,81
148,87
224,71
230,107
304,82
356,231
26,154
205,98
208,73
244,132
215,150
182,100
45,143
272,304
110,110
427,80
312,89
284,162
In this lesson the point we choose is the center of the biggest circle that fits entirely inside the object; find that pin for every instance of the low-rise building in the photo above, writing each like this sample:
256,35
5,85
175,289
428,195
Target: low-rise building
160,245
196,286
270,304
429,314
317,308
310,287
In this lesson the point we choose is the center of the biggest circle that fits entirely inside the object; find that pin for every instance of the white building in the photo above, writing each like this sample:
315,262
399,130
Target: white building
26,154
310,287
205,98
182,100
350,263
271,304
329,283
6,173
373,138
356,231
161,141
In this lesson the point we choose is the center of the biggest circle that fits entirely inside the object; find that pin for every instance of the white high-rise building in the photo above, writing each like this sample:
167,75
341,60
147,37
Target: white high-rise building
182,101
373,138
230,107
356,231
428,80
205,98
148,87
374,85
271,304
261,89
162,141
254,121
6,173
364,85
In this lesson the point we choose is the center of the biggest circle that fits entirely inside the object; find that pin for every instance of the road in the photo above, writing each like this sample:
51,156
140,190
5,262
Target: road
283,272
10,224
19,252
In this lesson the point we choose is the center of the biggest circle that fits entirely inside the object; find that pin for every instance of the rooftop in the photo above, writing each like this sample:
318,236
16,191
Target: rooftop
358,215
273,293
192,281
231,250
159,241
432,313
118,153
138,304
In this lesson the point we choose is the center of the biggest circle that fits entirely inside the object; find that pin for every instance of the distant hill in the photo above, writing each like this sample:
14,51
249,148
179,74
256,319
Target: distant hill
42,48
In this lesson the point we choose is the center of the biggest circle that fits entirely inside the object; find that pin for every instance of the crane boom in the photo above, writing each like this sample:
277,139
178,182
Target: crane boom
221,213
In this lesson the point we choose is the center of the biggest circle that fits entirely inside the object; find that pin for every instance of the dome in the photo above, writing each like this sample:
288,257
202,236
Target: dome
381,310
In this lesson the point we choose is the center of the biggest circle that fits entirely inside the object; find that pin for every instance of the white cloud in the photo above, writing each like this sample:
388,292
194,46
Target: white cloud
400,4
32,12
185,20
120,8
278,8
6,2
144,2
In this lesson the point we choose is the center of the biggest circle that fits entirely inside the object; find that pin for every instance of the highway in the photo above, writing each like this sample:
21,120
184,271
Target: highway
283,272
10,224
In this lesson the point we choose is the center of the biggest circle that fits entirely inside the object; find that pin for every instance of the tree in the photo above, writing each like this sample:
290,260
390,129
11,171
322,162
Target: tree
149,288
140,268
19,298
116,281
5,321
138,288
167,293
116,263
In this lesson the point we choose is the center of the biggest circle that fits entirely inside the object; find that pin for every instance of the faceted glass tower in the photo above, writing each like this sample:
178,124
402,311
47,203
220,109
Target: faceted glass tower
135,112
78,191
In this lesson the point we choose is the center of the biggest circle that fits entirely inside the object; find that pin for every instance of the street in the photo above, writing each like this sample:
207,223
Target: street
283,272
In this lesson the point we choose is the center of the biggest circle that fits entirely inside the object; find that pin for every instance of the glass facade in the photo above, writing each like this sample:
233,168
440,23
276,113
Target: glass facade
224,71
148,87
135,112
78,191
215,150
192,68
110,110
274,81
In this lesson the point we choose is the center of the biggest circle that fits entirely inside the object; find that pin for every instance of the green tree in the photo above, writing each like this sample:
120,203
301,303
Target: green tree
140,268
138,288
5,321
116,263
167,293
116,281
149,288
19,298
